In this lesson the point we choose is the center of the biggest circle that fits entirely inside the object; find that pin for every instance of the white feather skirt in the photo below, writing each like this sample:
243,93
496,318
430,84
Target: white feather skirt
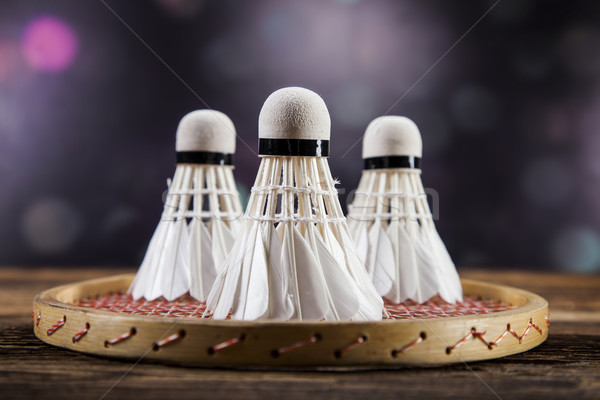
200,220
395,234
295,258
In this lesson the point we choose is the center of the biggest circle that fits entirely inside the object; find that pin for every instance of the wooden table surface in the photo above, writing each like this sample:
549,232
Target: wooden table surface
567,365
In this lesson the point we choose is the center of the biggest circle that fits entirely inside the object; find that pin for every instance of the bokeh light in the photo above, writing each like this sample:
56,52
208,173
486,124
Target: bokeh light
9,59
10,121
577,249
532,58
51,226
509,117
336,43
475,109
434,126
353,104
119,219
546,182
589,122
512,11
557,124
232,57
183,9
579,47
49,44
347,2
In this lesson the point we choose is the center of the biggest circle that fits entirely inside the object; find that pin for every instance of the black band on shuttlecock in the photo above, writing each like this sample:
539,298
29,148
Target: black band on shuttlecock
293,147
204,157
393,162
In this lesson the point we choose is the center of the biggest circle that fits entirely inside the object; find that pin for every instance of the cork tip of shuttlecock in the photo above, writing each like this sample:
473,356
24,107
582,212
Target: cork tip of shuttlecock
392,136
294,113
206,130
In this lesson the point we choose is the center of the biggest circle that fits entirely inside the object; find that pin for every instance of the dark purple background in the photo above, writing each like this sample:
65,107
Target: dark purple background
509,116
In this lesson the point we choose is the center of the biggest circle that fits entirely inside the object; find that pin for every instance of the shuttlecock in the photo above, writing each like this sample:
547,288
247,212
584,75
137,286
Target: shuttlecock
295,258
201,216
390,219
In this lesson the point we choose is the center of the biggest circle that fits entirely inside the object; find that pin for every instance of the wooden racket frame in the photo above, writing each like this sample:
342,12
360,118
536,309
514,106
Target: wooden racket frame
289,344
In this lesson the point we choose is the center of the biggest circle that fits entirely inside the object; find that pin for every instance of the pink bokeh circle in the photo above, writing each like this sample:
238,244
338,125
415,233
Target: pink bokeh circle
49,44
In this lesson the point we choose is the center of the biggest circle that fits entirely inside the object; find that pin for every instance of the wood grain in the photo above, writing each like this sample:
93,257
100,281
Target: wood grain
567,365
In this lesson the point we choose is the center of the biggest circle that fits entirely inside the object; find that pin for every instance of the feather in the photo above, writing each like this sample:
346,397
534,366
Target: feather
173,263
222,241
362,243
342,291
354,226
222,294
148,280
183,258
145,283
384,271
165,268
331,240
372,240
203,271
451,290
253,293
407,271
429,277
286,266
308,288
280,302
371,304
449,286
